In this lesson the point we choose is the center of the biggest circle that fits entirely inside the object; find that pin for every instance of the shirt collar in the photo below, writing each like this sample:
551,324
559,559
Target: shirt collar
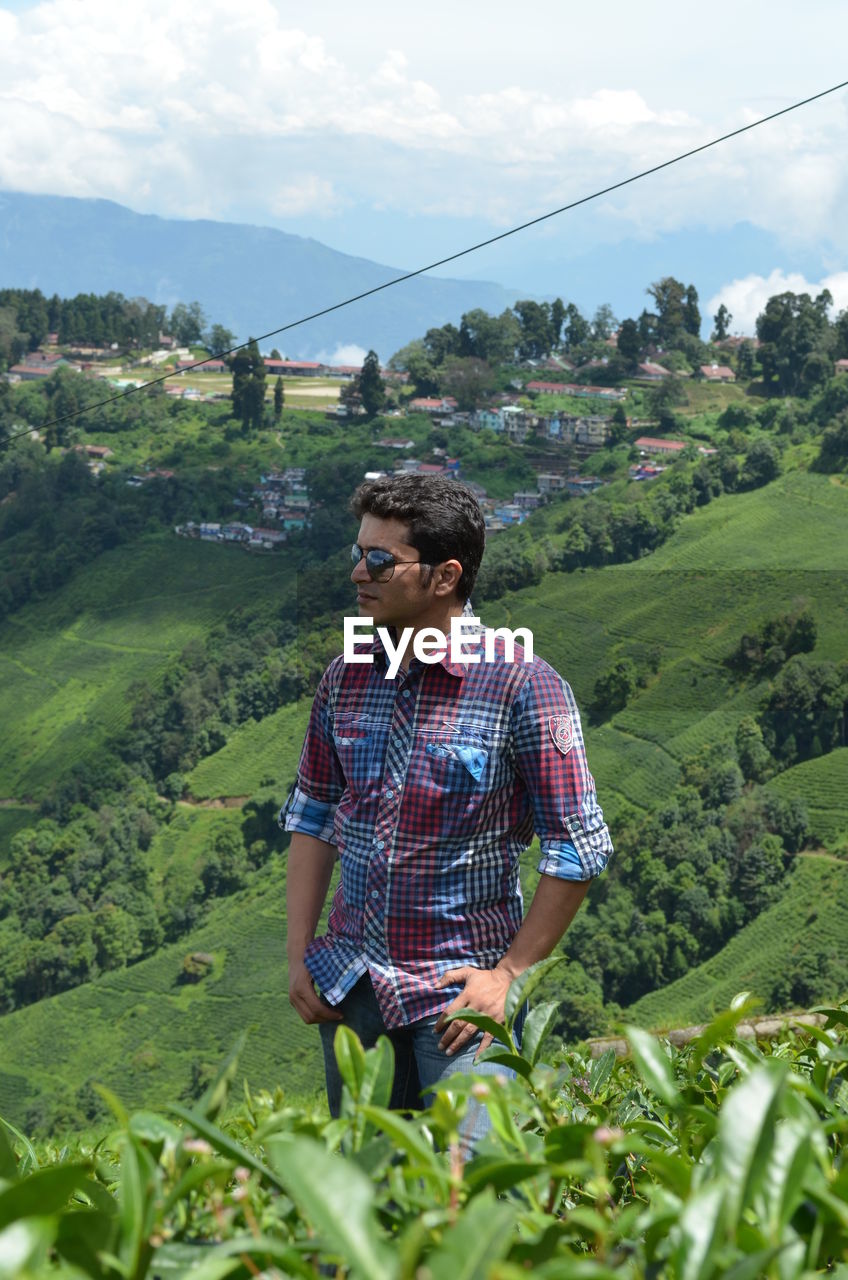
472,643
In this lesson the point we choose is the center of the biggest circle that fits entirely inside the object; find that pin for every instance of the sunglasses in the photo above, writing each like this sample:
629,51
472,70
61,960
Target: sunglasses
380,564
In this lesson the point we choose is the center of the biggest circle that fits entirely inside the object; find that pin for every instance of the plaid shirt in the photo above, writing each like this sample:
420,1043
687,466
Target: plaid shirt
430,785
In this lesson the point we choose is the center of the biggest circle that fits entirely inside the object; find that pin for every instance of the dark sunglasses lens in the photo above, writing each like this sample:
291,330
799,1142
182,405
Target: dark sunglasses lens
379,564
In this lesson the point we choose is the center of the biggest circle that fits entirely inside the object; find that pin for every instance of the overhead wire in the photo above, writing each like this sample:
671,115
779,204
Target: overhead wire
441,262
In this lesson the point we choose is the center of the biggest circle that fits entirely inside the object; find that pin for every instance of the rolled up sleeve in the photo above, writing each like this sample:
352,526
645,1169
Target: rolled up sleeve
319,786
551,760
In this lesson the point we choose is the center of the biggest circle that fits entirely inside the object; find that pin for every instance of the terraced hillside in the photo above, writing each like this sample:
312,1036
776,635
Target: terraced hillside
67,663
803,931
824,785
142,1031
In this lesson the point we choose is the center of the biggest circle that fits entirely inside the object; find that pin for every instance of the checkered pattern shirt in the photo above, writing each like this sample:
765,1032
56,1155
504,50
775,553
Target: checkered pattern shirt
430,786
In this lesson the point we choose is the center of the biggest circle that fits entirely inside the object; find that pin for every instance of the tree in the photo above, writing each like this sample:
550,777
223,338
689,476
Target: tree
492,338
721,324
248,393
791,329
614,688
557,319
279,399
762,464
220,340
372,388
691,312
629,344
187,323
746,359
467,380
536,331
441,343
576,328
604,323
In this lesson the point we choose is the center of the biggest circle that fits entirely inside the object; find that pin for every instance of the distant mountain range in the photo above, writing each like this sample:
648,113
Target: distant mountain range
251,279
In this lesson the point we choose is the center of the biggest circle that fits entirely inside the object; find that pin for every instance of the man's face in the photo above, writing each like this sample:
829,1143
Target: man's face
403,601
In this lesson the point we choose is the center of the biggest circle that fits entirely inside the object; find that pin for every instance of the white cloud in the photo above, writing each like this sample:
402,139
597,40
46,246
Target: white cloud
307,193
237,108
746,298
347,353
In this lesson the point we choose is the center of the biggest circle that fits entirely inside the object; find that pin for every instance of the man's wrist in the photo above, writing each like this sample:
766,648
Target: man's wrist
509,967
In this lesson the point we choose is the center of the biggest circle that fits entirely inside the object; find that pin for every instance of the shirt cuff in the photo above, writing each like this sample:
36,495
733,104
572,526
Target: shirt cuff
563,862
309,816
584,856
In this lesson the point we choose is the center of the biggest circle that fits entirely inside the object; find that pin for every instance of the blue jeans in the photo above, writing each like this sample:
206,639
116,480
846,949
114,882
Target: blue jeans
419,1062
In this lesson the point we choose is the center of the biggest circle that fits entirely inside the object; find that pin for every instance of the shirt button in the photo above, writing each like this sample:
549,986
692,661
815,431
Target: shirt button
389,794
406,693
380,843
375,893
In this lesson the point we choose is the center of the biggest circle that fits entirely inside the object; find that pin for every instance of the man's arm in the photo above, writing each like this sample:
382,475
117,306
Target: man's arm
310,869
554,906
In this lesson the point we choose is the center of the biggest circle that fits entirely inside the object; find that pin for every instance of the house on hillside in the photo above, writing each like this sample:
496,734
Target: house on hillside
212,365
580,486
650,372
841,366
717,373
649,444
295,368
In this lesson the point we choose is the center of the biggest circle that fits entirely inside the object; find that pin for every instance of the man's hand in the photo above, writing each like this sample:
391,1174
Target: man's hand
305,1000
485,992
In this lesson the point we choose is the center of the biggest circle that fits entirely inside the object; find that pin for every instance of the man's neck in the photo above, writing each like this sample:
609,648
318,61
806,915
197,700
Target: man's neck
442,620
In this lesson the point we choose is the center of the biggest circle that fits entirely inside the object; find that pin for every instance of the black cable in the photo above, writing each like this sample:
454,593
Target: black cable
410,275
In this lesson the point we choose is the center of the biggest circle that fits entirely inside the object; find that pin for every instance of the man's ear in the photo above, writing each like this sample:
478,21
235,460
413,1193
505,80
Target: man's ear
448,575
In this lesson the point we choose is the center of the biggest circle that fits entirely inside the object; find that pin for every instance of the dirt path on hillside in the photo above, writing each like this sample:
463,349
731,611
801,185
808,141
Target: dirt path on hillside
11,803
220,802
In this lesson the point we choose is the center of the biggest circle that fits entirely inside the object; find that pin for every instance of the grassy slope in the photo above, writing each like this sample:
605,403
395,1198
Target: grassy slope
823,783
139,1030
66,663
809,917
256,754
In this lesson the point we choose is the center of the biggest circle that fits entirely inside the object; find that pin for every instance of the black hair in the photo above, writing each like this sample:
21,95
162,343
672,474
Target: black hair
443,516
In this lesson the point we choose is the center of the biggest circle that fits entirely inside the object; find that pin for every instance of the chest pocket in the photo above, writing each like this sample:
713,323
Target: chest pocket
358,742
467,763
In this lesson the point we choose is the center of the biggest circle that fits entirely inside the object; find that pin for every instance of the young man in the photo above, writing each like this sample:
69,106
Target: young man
427,786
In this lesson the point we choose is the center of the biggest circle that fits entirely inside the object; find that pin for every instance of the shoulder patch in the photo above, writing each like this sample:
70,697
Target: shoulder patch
562,732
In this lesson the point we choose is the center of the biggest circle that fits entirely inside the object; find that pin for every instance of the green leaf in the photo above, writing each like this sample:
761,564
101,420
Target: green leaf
215,1096
700,1230
153,1128
134,1200
717,1031
30,1160
601,1070
350,1057
83,1235
485,1023
567,1141
653,1065
45,1192
499,1172
200,1263
8,1161
113,1102
222,1143
337,1199
746,1131
538,1024
407,1137
785,1170
480,1237
522,987
24,1246
516,1062
378,1076
754,1266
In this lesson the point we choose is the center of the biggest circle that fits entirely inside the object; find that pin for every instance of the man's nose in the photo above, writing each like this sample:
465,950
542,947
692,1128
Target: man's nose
359,573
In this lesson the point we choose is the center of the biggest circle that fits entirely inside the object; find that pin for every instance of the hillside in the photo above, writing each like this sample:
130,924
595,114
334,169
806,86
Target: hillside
68,661
250,279
795,938
141,1031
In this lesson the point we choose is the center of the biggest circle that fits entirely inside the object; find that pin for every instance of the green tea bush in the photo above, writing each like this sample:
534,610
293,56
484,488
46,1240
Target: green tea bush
719,1160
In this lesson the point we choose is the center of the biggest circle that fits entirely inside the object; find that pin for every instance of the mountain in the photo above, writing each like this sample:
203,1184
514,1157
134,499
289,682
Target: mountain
251,279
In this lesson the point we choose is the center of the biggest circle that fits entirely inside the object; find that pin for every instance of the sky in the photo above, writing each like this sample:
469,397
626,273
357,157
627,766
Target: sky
404,133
